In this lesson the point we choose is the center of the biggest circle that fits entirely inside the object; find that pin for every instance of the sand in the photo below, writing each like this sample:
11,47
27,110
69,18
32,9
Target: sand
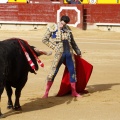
102,50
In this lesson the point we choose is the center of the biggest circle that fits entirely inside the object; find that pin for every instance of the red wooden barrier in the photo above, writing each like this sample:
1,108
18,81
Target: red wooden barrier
41,13
102,13
80,15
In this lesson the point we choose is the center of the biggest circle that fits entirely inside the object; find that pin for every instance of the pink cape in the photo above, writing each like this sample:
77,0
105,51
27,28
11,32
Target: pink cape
83,73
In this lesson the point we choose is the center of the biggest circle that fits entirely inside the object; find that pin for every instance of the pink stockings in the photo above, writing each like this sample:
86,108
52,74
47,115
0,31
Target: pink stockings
49,84
73,88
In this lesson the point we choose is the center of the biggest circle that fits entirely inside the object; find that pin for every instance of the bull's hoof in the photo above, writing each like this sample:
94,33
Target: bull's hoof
10,107
2,116
17,108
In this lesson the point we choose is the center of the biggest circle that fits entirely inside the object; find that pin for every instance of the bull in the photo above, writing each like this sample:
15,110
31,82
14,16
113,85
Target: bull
14,68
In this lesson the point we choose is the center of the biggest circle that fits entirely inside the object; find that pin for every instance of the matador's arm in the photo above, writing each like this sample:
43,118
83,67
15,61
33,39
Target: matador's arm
74,46
46,39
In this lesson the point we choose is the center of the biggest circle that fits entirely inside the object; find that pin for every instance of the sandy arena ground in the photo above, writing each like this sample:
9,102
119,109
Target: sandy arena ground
102,50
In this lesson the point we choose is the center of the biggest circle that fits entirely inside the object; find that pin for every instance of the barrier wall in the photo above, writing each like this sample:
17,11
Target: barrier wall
102,13
42,13
81,15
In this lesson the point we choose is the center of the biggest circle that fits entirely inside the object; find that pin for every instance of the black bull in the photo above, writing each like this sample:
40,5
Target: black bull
14,69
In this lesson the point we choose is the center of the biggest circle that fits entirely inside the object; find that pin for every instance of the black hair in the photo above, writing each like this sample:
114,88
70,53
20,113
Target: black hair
65,18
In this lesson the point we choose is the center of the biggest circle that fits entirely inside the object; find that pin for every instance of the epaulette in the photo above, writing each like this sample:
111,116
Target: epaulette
68,28
52,27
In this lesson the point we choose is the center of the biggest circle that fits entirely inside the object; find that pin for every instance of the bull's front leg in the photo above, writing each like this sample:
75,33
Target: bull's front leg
17,97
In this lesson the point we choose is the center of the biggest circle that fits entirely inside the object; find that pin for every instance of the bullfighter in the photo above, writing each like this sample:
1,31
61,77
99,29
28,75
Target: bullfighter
59,37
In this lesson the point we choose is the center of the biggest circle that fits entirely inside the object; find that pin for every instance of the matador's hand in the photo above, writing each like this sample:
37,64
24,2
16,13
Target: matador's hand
80,54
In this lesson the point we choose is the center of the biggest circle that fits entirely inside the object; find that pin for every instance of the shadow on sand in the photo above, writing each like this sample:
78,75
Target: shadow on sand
100,87
40,103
